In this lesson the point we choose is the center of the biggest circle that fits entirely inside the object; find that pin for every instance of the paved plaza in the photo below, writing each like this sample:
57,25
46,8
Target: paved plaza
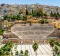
43,49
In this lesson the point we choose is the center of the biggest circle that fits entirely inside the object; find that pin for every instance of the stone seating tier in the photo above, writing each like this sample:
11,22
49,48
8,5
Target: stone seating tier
32,32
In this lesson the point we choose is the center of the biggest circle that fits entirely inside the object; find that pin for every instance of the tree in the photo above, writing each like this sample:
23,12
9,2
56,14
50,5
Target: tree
45,15
19,12
14,17
34,14
41,13
51,43
37,14
35,47
51,14
18,16
5,49
42,21
7,53
56,49
57,43
5,17
21,52
24,18
1,52
8,17
1,31
26,11
58,13
45,21
26,53
16,53
56,16
32,11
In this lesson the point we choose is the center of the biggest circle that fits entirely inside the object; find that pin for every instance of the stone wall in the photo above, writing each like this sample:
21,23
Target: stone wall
56,33
30,41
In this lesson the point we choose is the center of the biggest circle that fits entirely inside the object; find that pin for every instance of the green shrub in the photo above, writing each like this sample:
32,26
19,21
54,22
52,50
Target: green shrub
1,31
21,52
16,53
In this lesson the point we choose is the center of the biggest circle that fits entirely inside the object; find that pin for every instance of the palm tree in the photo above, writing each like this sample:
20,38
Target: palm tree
35,47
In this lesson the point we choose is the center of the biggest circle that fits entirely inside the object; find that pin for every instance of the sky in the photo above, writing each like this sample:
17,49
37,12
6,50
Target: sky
43,2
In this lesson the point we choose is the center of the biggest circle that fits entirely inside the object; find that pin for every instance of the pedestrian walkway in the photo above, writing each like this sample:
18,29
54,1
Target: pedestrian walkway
43,49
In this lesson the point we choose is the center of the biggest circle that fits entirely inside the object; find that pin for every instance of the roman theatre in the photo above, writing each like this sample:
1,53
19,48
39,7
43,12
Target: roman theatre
35,32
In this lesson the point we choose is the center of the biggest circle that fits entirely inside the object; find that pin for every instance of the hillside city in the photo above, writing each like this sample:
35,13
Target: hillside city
29,30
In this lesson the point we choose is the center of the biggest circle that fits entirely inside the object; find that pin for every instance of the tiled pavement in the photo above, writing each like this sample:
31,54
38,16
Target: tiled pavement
43,49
